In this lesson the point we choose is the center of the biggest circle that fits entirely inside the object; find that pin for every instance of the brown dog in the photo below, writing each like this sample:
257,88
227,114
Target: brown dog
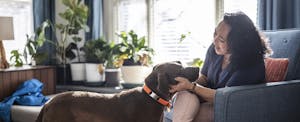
134,105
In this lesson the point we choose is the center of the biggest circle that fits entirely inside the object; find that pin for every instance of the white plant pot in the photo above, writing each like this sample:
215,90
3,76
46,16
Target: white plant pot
78,71
135,74
33,62
92,73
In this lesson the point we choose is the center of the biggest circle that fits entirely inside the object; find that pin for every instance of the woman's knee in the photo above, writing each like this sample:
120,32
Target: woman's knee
186,106
186,96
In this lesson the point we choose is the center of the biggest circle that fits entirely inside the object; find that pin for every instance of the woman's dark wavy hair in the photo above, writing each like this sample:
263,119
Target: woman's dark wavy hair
245,43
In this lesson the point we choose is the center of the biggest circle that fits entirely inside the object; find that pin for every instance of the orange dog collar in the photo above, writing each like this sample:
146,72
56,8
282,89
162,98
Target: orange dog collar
155,96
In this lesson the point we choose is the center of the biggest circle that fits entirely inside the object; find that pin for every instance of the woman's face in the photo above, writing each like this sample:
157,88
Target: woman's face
220,38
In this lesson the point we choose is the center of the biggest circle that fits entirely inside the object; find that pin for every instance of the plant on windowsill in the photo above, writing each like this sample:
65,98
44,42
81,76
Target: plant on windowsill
35,42
113,64
135,57
134,50
31,48
75,15
95,53
16,58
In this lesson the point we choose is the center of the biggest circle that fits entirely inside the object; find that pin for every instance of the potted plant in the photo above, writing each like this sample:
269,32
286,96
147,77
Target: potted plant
75,16
136,57
31,48
16,58
112,64
95,52
35,42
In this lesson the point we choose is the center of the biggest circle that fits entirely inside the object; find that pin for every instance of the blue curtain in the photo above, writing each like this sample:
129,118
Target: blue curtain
95,19
45,10
278,14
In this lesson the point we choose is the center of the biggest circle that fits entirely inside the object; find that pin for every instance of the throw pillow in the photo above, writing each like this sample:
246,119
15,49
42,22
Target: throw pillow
276,69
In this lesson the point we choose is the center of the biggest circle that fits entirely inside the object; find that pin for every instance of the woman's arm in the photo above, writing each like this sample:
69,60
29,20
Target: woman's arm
202,80
206,93
184,84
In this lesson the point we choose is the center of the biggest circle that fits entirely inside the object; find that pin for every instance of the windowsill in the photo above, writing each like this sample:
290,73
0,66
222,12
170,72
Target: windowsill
101,89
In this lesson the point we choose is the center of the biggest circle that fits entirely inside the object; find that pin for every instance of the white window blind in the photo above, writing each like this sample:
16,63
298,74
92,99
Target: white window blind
21,11
170,19
133,16
175,17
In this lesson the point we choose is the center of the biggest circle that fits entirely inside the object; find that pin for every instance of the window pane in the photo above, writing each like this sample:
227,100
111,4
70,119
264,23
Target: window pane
133,16
175,17
21,12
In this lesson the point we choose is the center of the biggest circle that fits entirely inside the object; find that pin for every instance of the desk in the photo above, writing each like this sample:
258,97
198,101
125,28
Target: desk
12,77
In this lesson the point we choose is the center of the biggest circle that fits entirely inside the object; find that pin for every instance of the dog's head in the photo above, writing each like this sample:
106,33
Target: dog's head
163,75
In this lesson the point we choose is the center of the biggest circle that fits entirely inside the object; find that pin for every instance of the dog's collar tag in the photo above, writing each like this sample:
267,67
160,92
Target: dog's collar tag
155,96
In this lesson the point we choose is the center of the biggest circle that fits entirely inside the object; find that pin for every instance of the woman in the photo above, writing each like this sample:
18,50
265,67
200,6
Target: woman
235,58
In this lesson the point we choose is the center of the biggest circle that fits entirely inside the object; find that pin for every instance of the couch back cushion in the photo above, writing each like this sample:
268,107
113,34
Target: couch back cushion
286,44
276,69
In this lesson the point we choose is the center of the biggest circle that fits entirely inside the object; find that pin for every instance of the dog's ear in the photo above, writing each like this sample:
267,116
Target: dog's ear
178,62
191,73
163,84
155,67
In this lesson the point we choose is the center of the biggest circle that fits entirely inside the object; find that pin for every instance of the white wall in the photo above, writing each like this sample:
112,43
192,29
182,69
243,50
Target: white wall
110,19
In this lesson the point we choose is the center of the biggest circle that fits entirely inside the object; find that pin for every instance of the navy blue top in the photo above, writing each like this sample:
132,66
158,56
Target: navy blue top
218,78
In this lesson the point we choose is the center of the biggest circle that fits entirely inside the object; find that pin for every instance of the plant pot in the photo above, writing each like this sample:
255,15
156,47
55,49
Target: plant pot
78,73
135,74
63,74
93,76
33,62
112,77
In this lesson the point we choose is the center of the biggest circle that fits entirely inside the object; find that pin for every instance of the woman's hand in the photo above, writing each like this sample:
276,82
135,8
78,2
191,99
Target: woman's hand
183,84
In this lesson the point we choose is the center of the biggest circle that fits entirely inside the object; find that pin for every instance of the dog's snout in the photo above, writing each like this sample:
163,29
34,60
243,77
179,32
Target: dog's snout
191,73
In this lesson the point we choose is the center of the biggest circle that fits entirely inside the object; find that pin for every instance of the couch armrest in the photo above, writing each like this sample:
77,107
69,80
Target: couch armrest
269,102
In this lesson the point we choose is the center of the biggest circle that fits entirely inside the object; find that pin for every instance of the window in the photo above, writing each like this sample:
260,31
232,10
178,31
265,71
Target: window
163,21
133,16
175,17
21,11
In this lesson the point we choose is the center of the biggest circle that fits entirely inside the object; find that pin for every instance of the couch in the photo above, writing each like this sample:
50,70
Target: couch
269,102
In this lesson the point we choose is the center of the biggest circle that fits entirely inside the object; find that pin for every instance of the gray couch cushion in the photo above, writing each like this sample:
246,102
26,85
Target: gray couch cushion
20,113
286,44
270,102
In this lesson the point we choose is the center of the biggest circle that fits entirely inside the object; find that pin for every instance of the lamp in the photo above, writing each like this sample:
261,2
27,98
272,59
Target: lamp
6,33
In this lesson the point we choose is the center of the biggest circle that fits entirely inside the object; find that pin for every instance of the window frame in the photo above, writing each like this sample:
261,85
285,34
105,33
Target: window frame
111,28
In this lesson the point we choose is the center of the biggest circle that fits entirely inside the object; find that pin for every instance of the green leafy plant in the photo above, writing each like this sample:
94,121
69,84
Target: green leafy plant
134,50
113,59
197,62
183,36
35,42
16,58
96,50
102,51
76,16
